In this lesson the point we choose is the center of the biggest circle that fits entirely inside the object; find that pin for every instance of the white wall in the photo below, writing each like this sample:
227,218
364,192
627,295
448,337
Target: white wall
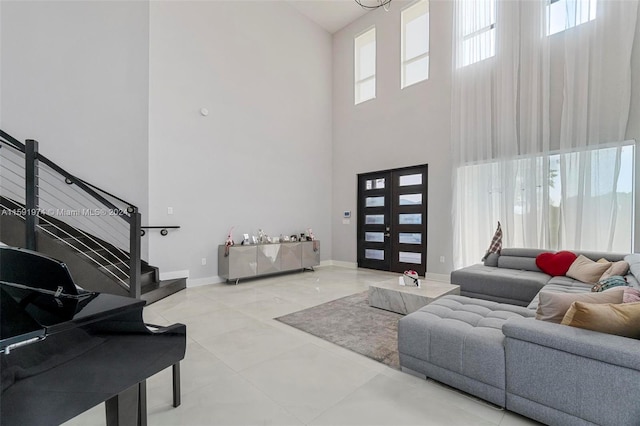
401,127
75,77
262,157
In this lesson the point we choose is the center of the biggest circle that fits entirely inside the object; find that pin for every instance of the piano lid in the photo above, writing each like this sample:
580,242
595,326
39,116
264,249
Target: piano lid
36,270
39,298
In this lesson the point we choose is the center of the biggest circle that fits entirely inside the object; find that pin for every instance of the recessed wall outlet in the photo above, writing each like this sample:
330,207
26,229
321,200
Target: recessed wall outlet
204,260
169,210
441,259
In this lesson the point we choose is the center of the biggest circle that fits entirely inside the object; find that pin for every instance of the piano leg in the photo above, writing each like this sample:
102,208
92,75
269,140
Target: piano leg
142,403
128,408
176,384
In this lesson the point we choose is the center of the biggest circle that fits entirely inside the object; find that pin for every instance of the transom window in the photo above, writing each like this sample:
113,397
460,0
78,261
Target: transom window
565,14
415,43
477,23
365,66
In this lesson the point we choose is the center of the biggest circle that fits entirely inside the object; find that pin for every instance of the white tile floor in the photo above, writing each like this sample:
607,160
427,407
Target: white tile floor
244,368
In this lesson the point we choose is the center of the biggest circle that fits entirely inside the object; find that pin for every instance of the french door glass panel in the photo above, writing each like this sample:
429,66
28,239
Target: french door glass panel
374,202
374,237
409,180
410,219
374,219
374,254
410,257
375,184
410,199
410,238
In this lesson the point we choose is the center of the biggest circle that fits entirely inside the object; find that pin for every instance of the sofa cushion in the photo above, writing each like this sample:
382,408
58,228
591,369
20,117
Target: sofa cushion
460,334
518,262
492,260
632,281
569,282
585,269
634,269
522,252
620,319
617,268
552,307
508,284
555,264
596,255
631,295
561,285
519,258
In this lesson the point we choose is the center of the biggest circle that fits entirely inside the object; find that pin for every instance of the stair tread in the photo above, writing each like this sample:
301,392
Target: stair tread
162,289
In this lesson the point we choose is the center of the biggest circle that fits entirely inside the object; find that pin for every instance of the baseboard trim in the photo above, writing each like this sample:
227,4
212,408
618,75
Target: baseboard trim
350,265
197,282
173,275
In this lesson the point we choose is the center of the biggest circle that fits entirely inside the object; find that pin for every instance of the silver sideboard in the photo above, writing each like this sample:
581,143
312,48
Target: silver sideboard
240,261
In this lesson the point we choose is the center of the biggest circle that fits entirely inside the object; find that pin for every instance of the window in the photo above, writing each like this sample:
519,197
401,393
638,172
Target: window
477,24
565,14
365,66
415,43
572,200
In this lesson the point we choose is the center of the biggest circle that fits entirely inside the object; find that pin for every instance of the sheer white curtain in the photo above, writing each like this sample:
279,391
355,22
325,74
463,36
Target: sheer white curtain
532,115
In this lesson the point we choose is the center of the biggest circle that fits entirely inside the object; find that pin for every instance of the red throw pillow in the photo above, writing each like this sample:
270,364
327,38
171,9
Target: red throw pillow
555,264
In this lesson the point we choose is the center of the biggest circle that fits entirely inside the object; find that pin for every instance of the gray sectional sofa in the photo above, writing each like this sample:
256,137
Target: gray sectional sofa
486,342
513,277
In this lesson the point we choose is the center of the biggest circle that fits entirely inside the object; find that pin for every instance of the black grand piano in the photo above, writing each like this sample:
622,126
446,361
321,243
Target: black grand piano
64,350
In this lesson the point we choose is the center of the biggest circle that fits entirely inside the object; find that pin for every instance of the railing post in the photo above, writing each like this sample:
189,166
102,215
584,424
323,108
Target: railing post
135,286
31,193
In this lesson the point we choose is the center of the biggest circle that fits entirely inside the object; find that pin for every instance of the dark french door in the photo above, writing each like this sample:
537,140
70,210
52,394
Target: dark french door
392,220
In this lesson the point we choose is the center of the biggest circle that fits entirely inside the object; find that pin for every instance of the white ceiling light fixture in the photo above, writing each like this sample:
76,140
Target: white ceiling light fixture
374,4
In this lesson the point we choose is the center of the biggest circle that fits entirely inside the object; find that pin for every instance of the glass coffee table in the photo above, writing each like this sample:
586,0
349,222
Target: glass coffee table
392,296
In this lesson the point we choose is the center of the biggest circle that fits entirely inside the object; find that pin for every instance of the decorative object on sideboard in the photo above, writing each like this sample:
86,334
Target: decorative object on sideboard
264,238
229,242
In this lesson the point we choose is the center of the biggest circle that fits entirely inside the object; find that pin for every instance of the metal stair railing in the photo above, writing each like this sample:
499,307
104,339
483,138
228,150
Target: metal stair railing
95,223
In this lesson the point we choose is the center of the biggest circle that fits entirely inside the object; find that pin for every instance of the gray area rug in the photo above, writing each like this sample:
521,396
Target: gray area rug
351,323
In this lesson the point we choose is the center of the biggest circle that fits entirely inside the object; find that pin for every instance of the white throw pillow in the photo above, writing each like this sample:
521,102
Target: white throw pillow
586,270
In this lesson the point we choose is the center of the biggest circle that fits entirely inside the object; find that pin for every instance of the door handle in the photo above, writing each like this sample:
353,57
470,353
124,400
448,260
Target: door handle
387,234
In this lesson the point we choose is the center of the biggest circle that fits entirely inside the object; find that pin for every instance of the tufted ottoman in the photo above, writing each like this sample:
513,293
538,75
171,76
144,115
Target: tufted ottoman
458,340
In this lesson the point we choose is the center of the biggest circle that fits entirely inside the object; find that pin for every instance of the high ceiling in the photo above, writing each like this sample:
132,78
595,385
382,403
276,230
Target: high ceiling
332,15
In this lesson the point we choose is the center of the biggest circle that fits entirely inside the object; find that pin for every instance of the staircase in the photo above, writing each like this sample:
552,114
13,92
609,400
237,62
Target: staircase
96,248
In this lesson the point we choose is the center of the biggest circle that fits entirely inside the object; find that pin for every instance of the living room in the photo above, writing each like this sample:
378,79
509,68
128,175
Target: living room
213,115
